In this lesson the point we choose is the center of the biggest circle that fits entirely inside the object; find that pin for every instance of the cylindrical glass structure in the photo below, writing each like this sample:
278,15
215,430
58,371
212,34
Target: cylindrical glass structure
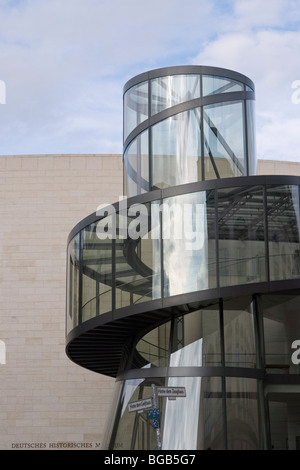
187,124
187,292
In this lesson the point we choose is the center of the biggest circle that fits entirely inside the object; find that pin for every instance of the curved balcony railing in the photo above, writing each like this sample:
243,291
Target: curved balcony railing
194,238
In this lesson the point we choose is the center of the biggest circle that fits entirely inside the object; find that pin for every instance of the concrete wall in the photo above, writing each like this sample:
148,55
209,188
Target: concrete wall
46,401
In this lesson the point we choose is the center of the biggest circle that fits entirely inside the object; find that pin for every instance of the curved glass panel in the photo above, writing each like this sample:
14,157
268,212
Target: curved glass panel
199,414
193,421
283,232
176,150
239,334
284,416
224,140
187,236
174,89
281,330
133,429
135,107
215,85
153,349
243,426
137,255
96,272
242,250
136,160
73,258
196,339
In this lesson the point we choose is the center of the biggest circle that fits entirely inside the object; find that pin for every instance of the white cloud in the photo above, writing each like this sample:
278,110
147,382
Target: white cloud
257,13
279,138
270,59
65,64
67,61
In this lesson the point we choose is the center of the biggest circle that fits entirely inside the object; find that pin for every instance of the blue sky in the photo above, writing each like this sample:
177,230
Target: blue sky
65,62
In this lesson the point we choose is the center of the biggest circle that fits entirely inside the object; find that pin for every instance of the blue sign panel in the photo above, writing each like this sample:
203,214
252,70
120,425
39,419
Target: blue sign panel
155,423
154,413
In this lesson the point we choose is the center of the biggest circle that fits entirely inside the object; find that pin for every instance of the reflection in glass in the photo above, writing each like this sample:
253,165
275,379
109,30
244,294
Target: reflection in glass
239,336
283,232
73,283
135,107
284,413
181,417
194,422
251,133
136,166
196,339
281,329
241,235
176,150
96,273
137,255
224,140
213,85
185,243
171,90
211,426
153,349
134,430
243,431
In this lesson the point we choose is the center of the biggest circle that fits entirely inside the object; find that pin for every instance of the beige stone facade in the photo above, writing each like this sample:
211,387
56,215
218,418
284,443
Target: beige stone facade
46,401
276,167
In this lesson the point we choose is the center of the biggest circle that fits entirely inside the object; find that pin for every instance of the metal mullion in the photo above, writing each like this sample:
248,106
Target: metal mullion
260,345
202,131
217,238
298,206
245,128
222,337
149,128
223,378
80,279
224,402
117,418
170,349
138,163
259,327
113,259
97,294
162,283
267,260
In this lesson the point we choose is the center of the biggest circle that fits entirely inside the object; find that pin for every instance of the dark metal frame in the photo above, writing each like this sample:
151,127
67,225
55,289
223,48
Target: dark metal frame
220,98
107,342
120,326
235,96
223,183
188,69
